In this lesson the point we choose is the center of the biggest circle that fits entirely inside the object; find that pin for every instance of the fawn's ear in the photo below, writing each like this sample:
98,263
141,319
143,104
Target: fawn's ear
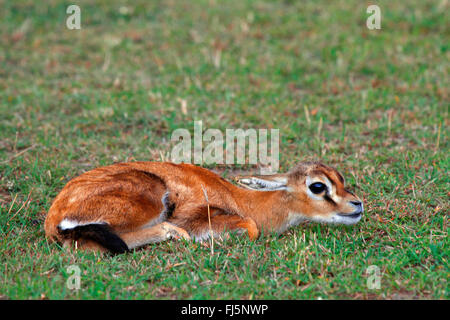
263,183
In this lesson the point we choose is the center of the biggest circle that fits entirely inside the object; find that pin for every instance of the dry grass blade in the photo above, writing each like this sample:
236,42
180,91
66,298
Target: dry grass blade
23,205
209,220
19,154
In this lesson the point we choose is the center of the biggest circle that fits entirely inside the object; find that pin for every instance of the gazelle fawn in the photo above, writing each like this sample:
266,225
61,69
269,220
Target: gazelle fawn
128,205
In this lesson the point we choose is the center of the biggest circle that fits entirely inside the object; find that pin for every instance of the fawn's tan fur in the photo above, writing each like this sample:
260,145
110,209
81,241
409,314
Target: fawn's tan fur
145,202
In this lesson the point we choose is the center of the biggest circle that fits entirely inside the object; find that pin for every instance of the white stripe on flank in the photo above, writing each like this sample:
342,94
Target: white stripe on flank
70,224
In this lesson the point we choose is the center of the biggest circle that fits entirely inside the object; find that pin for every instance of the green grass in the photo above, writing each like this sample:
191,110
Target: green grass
374,104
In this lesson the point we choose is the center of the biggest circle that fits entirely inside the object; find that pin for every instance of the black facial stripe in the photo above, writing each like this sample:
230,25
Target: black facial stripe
327,198
349,192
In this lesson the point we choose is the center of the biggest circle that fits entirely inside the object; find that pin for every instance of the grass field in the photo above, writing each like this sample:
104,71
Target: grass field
372,103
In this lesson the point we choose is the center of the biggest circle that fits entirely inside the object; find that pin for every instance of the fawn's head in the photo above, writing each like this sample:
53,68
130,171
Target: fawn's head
312,191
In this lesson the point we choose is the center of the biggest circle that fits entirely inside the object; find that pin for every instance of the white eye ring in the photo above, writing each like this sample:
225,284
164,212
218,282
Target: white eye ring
310,181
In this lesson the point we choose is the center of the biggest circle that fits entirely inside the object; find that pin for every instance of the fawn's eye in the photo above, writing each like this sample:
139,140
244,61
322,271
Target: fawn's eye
317,187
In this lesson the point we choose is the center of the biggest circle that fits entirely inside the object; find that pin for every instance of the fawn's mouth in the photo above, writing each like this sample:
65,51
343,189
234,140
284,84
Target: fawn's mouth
355,215
348,219
339,218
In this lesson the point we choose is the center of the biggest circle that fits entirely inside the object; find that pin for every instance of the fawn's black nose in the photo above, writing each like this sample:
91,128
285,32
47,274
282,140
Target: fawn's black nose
358,205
